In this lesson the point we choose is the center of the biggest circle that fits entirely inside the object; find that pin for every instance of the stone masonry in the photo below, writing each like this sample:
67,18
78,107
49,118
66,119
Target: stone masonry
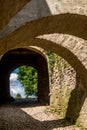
59,26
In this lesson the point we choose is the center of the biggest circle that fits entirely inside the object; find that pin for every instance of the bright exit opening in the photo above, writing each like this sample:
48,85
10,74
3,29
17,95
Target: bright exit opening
24,83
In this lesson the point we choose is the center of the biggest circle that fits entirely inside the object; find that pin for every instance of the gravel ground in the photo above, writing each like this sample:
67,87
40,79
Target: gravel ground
30,116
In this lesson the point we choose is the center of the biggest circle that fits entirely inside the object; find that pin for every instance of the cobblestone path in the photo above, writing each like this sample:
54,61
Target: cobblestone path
30,116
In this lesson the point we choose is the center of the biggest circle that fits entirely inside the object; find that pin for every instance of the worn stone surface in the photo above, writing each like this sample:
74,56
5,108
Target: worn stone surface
83,115
66,92
36,9
8,9
58,26
27,116
76,45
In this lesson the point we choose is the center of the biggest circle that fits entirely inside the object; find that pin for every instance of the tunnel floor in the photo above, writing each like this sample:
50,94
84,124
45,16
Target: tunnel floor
30,115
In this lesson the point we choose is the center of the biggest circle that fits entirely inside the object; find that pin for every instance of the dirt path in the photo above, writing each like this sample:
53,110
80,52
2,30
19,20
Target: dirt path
30,116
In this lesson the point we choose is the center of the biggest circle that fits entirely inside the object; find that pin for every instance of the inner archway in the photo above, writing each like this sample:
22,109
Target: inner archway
19,57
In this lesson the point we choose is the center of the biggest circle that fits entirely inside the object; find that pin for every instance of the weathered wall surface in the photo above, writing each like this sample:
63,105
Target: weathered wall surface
63,81
47,24
36,9
8,9
65,92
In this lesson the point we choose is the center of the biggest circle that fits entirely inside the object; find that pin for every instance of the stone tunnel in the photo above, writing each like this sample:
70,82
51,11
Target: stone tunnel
58,26
18,57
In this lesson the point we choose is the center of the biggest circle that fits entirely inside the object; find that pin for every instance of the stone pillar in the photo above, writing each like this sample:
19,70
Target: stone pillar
43,81
4,84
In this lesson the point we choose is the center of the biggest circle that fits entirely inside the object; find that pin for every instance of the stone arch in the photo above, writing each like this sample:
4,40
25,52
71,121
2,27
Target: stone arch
67,23
63,51
53,24
75,62
33,34
18,57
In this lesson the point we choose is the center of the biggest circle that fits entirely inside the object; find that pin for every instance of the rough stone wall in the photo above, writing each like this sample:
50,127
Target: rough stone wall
65,81
82,120
60,17
63,75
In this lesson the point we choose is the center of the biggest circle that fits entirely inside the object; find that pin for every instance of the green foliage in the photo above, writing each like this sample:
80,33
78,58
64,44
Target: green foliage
18,96
51,57
28,77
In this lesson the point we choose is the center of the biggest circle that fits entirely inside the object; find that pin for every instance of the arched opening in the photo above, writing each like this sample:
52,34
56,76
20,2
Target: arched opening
24,83
19,57
56,24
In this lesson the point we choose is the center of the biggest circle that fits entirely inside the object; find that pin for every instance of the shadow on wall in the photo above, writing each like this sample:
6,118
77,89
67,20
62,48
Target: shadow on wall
76,101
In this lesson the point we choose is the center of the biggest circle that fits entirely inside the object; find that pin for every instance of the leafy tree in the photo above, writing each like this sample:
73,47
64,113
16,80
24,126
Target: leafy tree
28,77
51,57
18,96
